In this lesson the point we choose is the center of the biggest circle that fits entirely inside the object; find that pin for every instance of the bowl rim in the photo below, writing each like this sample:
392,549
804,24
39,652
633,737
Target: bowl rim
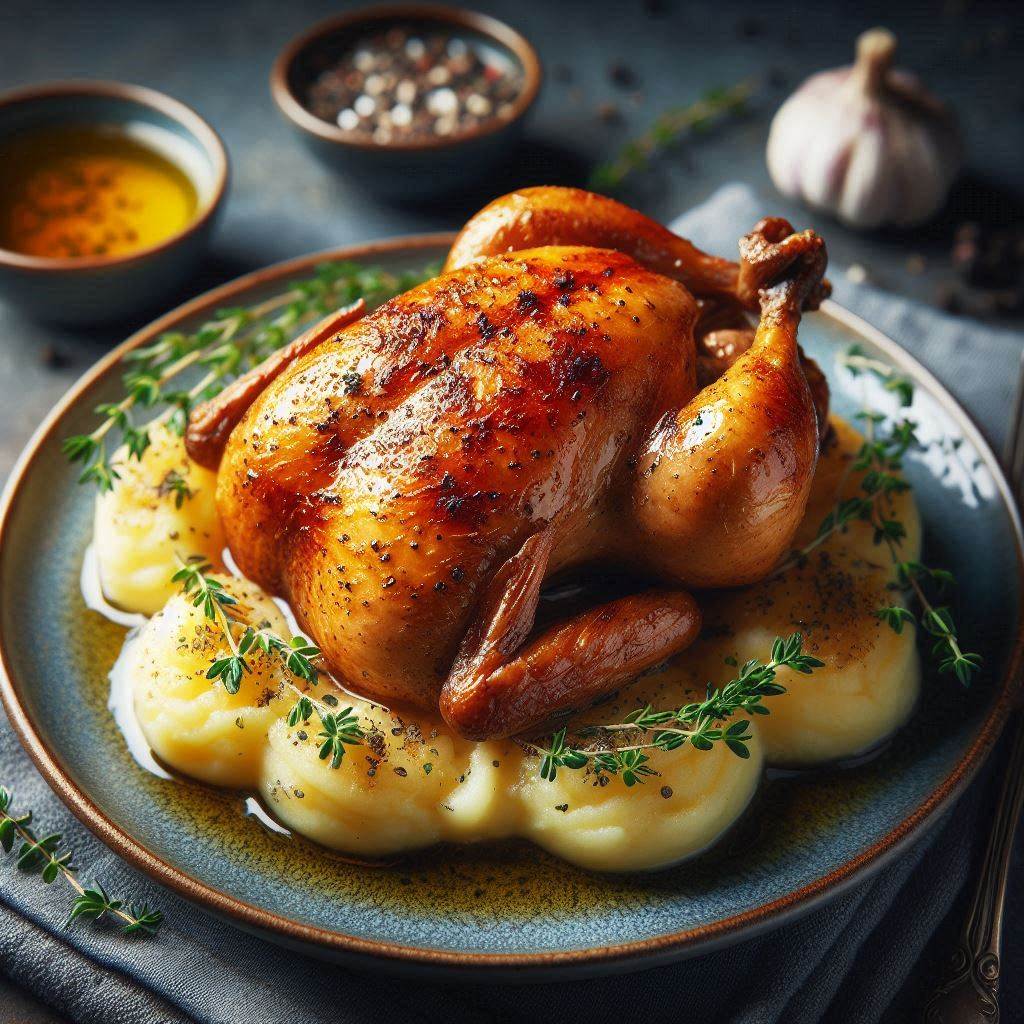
482,24
140,95
647,952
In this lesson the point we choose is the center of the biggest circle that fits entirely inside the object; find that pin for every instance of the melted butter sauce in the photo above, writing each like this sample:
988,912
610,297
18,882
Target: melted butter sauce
73,192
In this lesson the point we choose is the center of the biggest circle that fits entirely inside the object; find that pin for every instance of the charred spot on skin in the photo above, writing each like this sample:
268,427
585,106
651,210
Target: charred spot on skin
486,328
429,318
352,384
587,369
526,301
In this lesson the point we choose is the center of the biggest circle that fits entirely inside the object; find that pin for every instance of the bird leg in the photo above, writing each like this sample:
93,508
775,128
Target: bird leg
550,215
210,424
502,683
723,482
767,253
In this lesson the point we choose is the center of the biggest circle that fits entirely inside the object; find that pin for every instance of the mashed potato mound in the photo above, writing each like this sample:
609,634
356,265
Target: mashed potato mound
192,723
412,782
148,517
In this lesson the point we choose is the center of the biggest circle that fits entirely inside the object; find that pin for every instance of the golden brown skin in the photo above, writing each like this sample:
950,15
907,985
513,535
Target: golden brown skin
411,483
211,424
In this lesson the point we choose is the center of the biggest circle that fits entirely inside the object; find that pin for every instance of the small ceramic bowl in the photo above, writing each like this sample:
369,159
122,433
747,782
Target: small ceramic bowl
94,289
405,169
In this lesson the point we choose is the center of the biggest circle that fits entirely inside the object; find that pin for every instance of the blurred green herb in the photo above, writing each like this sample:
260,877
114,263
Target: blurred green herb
668,129
174,483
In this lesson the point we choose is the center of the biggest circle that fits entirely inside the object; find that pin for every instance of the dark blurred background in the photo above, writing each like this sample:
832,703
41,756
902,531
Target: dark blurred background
611,69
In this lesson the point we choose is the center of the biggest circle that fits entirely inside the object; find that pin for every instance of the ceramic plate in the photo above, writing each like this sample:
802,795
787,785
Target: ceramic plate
506,908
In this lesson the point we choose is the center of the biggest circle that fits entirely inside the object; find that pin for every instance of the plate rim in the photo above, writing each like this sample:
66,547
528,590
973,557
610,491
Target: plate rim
654,950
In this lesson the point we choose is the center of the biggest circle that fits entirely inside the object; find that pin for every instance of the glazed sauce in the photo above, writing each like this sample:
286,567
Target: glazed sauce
80,192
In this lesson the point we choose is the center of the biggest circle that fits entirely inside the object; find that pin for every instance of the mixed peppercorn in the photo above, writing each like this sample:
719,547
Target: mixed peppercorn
402,85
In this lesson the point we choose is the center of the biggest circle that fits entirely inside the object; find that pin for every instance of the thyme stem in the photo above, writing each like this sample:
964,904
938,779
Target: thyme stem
297,657
699,724
42,855
880,457
668,129
230,343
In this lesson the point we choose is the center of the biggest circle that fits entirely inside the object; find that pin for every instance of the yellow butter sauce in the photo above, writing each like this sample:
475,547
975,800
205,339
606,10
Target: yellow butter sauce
80,192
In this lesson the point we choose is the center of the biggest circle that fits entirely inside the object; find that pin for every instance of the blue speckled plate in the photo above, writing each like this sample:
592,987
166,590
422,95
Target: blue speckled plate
507,908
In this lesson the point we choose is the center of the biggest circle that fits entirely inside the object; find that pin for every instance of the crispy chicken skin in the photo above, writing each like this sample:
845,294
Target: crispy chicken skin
410,481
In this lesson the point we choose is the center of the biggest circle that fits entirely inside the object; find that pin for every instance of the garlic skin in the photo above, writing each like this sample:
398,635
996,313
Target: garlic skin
866,143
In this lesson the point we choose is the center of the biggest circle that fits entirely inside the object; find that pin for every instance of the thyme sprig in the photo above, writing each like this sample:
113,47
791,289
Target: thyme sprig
887,441
701,724
297,656
668,129
43,854
223,348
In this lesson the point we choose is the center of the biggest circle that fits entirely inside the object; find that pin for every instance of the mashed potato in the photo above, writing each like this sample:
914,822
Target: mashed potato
162,504
412,782
192,723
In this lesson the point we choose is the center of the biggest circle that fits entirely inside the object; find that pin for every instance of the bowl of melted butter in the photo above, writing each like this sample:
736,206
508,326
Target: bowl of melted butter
108,196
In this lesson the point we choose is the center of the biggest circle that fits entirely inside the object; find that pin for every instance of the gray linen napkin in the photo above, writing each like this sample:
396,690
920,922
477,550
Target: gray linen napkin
843,963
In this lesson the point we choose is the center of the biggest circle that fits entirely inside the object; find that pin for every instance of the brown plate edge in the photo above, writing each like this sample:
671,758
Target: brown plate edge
365,952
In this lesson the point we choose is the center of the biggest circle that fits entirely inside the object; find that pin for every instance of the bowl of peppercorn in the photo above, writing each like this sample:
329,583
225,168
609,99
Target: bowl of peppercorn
411,101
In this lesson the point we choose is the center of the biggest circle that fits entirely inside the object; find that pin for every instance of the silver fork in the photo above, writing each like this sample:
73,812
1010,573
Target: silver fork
970,991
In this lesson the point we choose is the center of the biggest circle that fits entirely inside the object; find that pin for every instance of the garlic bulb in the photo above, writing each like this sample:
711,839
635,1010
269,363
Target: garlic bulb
866,143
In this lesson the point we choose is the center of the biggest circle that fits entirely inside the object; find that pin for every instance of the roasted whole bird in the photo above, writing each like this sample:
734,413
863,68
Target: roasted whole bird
579,386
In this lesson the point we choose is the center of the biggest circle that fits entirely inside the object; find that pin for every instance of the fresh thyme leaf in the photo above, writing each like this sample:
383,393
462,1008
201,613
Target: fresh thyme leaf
93,903
174,483
45,857
229,671
700,724
144,921
339,729
302,711
880,459
894,616
231,342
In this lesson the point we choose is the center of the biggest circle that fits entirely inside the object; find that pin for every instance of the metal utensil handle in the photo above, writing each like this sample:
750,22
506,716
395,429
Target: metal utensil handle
971,990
